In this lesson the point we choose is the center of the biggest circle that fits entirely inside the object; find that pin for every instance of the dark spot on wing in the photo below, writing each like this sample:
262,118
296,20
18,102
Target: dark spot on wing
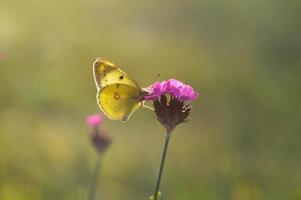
121,77
116,95
117,85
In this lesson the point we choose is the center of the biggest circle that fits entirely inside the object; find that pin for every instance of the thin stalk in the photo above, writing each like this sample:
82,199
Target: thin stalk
167,137
94,179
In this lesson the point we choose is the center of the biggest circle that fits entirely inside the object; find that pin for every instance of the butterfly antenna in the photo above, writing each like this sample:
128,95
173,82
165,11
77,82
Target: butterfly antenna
158,76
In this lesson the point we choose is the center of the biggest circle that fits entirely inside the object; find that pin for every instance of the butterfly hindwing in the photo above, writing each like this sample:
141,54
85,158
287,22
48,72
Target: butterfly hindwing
118,101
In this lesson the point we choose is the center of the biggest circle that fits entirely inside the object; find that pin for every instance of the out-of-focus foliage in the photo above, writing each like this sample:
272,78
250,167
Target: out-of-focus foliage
243,138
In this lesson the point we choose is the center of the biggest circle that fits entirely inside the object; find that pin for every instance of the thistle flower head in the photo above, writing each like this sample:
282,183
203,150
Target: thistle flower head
99,139
175,88
170,102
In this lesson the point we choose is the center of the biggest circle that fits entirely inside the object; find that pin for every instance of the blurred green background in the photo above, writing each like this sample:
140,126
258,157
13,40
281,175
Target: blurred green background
243,138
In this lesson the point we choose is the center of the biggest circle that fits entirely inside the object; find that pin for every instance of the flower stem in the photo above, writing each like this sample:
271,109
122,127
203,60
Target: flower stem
167,137
94,179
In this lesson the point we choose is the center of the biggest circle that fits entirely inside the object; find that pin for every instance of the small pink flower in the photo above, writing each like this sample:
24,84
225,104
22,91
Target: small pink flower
94,120
99,139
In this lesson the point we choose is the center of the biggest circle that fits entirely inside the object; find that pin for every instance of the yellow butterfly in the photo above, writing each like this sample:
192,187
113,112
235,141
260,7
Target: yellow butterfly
118,95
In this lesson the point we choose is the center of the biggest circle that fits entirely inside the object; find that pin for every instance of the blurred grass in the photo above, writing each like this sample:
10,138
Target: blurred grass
241,143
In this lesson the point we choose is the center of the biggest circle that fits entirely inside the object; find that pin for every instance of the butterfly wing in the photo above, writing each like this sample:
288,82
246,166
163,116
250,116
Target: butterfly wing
118,101
106,73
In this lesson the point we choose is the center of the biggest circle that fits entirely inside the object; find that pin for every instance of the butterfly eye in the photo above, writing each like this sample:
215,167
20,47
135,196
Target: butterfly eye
121,77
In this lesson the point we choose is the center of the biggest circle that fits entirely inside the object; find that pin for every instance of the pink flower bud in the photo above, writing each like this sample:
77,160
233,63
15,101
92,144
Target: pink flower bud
94,120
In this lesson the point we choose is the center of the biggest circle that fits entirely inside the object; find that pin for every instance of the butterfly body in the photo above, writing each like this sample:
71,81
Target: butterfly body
118,95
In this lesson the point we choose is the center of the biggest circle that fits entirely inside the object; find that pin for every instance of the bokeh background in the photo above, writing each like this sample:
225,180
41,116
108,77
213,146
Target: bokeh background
242,141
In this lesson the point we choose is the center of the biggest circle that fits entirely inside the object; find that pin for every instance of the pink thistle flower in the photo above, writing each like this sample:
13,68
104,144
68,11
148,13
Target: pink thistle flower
171,111
94,120
171,100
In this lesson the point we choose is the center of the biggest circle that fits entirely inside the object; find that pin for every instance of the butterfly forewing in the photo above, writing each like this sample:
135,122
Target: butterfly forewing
106,73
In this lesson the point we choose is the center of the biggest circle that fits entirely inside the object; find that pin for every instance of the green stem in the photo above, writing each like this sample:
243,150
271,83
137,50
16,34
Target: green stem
167,137
94,179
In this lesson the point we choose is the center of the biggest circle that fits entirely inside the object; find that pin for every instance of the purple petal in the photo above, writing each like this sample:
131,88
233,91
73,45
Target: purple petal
172,87
188,93
154,91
